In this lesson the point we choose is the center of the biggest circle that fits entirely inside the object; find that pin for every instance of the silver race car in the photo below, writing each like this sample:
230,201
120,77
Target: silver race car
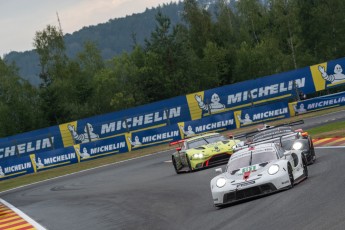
258,170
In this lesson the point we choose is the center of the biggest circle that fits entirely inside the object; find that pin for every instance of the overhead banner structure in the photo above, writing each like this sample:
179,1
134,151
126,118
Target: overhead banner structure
319,103
261,114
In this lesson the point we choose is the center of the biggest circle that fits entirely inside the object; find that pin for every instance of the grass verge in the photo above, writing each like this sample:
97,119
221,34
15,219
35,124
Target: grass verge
328,130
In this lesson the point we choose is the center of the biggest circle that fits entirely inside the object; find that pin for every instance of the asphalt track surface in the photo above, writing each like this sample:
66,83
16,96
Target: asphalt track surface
146,193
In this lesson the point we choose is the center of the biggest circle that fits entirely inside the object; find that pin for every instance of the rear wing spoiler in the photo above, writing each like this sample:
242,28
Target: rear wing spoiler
264,141
176,142
250,134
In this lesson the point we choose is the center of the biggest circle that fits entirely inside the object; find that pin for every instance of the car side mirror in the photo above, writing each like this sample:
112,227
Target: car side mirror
219,170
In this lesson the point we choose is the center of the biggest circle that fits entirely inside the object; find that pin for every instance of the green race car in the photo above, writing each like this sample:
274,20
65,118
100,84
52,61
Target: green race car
202,151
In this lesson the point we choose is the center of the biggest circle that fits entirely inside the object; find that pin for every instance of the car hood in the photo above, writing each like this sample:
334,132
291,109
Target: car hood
214,148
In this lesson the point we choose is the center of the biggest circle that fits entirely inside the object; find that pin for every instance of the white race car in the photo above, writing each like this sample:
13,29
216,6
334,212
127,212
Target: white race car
258,170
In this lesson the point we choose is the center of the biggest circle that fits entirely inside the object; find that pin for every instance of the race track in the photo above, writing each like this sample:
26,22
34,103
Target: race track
146,193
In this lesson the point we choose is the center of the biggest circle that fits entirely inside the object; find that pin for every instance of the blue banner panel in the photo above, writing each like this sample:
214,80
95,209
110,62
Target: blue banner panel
215,123
14,167
261,114
151,137
159,114
319,103
109,146
261,90
31,142
54,158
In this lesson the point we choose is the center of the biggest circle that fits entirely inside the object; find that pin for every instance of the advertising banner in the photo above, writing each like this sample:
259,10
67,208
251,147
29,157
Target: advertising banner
215,123
54,158
319,103
146,138
262,114
109,146
151,116
328,74
249,93
14,167
35,141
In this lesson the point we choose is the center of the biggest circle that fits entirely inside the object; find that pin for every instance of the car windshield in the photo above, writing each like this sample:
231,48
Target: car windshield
251,157
204,141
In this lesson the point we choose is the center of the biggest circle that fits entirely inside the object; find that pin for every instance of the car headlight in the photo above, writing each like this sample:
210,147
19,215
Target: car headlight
297,145
198,155
273,169
221,182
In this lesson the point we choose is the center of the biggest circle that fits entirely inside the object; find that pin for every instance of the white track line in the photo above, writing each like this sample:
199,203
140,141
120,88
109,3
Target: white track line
23,215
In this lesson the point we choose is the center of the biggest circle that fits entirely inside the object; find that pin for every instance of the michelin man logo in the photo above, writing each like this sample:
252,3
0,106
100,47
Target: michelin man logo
246,119
214,106
136,141
299,110
39,163
83,154
84,137
189,132
334,78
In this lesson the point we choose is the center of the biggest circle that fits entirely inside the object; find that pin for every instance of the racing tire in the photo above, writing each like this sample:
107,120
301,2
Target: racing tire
305,167
189,165
292,180
175,166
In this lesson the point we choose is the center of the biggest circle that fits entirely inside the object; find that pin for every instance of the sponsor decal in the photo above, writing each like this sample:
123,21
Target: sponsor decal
45,143
137,121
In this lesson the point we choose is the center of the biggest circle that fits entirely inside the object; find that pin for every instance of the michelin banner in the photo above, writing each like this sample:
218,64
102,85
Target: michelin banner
101,148
329,74
319,103
253,92
151,116
36,141
53,159
14,167
262,114
216,123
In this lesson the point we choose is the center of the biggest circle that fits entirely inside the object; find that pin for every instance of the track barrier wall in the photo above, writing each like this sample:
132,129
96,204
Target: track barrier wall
219,109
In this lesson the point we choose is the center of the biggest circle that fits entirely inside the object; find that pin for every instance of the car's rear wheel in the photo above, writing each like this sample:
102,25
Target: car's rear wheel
175,165
291,178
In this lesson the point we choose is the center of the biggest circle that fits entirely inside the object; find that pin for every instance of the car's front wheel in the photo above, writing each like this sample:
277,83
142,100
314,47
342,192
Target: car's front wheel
175,165
291,178
305,167
189,165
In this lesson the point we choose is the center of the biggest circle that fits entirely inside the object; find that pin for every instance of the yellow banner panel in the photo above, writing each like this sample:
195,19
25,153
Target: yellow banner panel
292,108
238,114
195,110
33,161
66,133
319,82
